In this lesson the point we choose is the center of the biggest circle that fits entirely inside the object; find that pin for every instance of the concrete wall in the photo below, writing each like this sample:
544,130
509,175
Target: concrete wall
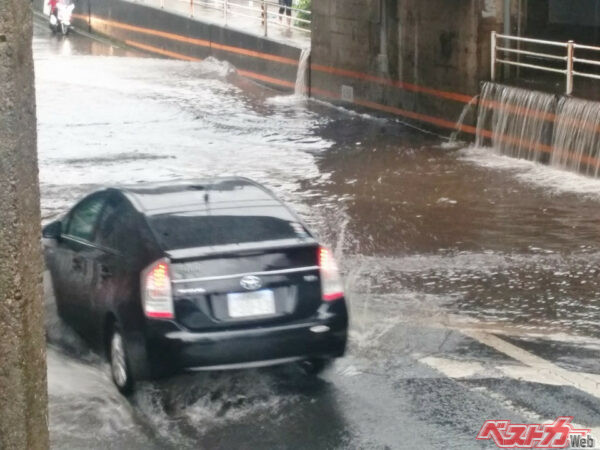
168,34
436,54
559,20
23,396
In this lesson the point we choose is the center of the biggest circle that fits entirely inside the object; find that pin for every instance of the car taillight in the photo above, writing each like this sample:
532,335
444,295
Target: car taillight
331,282
156,290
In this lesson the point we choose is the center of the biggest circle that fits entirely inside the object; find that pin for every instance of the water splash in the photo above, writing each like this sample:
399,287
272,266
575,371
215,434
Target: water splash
302,75
560,131
461,119
297,99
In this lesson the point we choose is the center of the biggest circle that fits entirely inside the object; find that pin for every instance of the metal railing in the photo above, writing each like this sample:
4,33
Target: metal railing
263,12
564,61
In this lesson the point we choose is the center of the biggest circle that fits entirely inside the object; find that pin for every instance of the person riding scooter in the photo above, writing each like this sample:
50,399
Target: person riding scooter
60,12
53,8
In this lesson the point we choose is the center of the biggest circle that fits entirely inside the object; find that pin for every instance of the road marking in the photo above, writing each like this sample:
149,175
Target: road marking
584,382
535,370
453,368
458,369
547,333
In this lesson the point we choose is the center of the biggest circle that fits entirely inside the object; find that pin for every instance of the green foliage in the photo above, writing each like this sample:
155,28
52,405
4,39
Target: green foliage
306,5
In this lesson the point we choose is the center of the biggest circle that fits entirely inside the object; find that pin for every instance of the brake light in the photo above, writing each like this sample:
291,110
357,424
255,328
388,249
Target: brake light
331,282
157,298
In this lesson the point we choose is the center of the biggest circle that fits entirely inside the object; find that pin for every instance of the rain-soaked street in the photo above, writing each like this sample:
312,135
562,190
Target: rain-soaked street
473,278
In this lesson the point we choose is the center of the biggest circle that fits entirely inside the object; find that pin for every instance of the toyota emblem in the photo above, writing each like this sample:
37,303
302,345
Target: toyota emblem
251,283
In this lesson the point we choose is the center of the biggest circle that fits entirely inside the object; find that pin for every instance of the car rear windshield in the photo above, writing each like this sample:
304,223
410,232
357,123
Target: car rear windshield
203,229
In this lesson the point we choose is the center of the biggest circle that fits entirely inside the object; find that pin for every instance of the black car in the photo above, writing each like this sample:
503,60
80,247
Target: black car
202,276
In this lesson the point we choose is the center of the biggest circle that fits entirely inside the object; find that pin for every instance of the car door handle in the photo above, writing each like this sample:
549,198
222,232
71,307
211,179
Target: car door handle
77,263
105,272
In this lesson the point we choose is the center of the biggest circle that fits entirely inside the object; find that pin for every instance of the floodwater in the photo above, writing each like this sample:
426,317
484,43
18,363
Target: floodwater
426,235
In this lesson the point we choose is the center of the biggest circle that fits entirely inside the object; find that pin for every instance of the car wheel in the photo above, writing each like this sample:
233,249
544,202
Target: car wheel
314,366
119,366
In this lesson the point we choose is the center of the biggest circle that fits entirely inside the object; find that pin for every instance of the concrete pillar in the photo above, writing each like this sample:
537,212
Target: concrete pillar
507,13
23,389
491,19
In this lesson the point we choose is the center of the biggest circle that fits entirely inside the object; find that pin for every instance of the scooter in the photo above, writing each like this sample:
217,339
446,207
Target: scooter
61,21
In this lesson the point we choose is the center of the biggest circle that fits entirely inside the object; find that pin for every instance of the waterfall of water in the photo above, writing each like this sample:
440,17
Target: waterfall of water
301,77
575,140
518,122
461,120
564,133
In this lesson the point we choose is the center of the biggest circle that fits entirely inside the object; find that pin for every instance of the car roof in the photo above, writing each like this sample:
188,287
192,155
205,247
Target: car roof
213,193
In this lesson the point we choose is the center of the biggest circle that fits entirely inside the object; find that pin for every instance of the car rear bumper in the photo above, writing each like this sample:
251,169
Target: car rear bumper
233,349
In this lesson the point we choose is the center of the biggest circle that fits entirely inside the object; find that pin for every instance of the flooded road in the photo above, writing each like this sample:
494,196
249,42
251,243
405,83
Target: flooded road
441,247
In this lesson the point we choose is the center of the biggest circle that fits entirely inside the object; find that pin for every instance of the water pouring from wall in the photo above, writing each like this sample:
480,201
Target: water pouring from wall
515,121
469,107
302,74
576,138
563,132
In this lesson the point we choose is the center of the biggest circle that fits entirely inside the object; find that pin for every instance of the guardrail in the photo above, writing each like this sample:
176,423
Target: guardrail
566,58
263,12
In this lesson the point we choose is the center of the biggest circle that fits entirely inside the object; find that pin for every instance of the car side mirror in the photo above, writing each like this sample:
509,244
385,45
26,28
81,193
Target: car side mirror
53,230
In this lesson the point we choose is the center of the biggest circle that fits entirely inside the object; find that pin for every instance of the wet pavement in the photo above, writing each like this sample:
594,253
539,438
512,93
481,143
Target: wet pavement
472,277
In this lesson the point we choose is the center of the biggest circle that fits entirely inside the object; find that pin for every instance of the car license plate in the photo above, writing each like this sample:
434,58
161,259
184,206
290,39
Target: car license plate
248,304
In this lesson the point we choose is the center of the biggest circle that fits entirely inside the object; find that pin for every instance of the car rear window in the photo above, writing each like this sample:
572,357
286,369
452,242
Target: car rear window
203,229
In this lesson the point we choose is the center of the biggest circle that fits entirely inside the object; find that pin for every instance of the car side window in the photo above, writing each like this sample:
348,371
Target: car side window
83,218
117,228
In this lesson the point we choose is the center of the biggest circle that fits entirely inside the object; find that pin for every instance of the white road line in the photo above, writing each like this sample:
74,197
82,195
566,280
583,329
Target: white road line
534,369
584,382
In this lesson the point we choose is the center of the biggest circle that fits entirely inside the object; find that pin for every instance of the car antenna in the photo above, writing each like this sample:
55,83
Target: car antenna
199,187
207,190
207,201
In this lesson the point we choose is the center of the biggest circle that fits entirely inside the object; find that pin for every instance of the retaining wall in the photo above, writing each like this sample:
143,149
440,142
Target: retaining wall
176,36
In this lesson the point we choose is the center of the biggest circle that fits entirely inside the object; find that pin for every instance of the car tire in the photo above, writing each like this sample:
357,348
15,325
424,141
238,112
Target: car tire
314,366
119,362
